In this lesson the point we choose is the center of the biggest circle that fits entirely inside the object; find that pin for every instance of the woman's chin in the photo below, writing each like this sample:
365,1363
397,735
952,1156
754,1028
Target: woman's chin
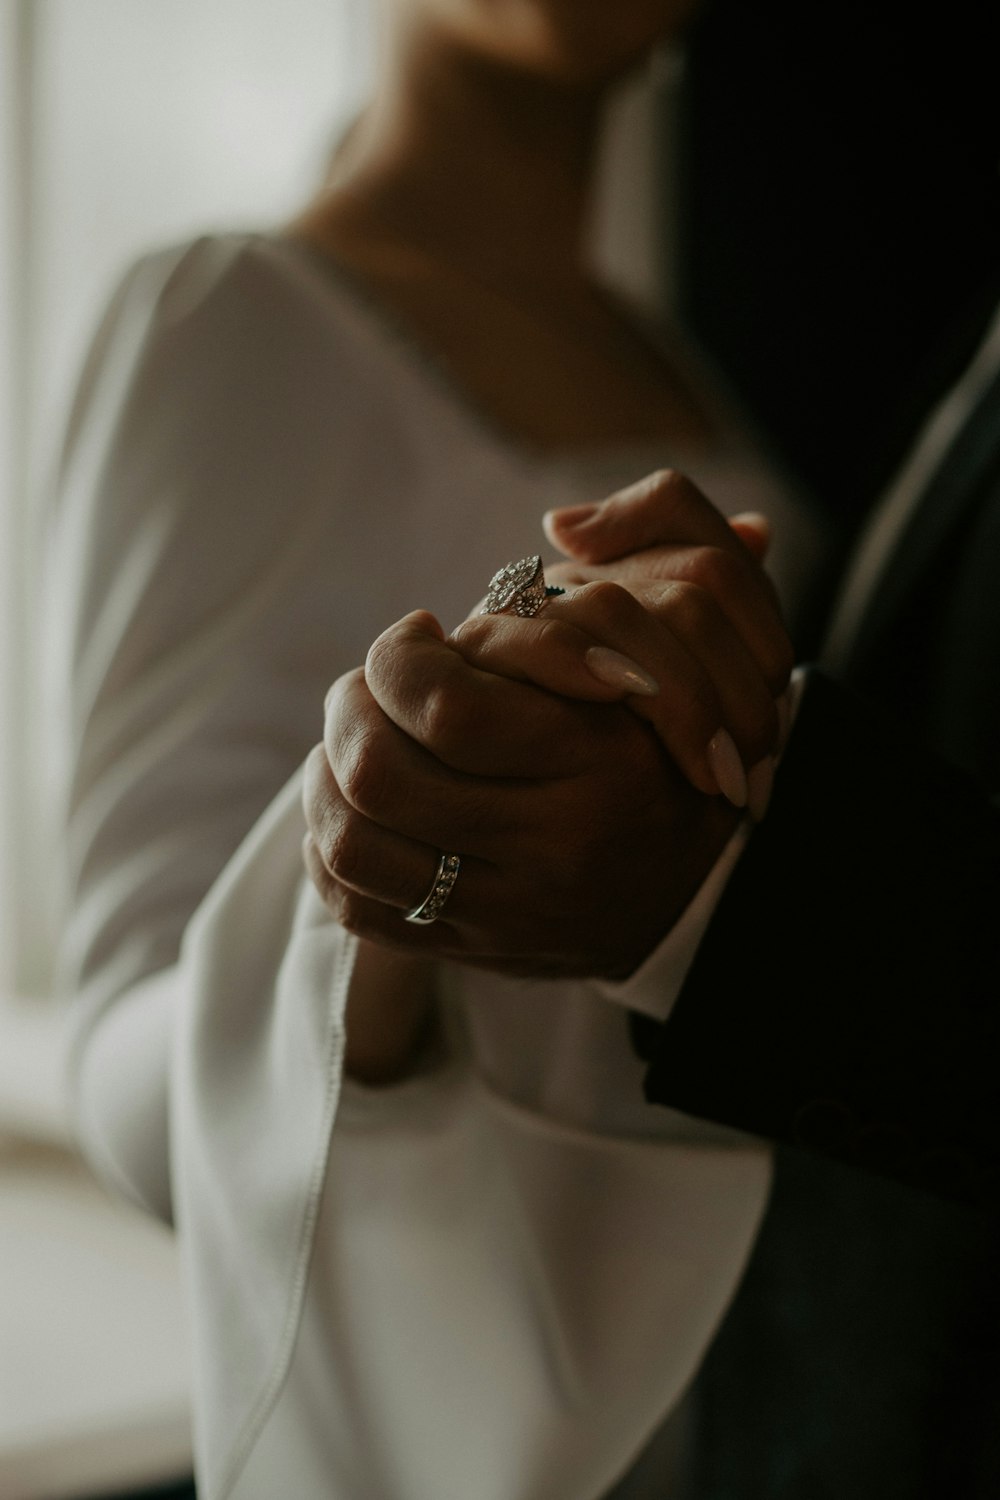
580,43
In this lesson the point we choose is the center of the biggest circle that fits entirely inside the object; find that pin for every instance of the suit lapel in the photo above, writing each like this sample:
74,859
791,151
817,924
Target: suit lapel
949,498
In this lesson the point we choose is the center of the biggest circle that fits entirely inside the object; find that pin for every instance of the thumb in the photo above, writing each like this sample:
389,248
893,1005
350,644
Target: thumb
662,509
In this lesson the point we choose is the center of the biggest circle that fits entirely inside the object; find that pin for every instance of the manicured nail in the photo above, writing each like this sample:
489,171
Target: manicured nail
727,768
618,671
760,784
569,516
754,518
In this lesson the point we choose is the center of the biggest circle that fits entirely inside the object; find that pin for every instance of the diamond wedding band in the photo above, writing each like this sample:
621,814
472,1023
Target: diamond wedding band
431,907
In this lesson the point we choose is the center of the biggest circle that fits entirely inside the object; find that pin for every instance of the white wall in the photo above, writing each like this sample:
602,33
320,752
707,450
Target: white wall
155,119
132,123
12,453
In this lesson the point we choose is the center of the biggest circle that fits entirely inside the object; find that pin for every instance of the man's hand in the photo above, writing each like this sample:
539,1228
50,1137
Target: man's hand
580,842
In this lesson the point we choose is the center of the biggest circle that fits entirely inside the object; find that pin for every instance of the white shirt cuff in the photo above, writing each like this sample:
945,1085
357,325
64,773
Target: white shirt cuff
655,985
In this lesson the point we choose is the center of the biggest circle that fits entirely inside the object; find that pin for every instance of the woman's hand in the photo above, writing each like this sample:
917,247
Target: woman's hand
688,634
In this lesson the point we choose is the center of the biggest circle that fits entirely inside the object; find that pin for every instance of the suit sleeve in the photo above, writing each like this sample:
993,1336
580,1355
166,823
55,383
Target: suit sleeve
844,999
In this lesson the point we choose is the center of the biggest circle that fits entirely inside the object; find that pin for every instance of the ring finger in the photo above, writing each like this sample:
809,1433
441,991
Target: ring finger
371,860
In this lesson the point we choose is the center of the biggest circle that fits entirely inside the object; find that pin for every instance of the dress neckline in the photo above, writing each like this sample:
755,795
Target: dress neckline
434,372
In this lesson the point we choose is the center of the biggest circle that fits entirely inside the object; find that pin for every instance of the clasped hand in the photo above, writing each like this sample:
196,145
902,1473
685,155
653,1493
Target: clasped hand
588,765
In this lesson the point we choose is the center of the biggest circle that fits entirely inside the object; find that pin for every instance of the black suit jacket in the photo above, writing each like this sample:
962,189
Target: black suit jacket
845,1003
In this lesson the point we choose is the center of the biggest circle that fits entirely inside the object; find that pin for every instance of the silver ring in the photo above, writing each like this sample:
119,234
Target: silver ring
431,907
519,589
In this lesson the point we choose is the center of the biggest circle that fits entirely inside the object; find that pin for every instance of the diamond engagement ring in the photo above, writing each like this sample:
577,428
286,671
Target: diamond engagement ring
519,589
431,907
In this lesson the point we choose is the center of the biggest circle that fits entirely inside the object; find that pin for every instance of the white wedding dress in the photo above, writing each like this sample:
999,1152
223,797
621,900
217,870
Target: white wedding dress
495,1280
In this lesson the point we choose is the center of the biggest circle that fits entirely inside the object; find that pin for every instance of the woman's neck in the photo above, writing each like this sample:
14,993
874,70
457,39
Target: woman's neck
476,165
461,200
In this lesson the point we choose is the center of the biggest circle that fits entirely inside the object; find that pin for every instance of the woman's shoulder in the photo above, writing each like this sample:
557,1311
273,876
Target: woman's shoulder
215,395
232,334
240,287
233,304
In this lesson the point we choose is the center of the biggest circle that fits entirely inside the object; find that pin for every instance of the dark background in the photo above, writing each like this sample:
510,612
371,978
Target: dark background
840,219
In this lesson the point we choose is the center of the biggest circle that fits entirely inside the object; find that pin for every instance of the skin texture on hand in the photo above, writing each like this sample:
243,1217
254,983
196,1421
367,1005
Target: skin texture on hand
688,629
581,837
662,510
563,828
684,663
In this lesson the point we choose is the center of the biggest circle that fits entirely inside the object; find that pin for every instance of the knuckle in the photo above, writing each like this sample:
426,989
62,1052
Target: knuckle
606,603
339,690
663,483
552,636
345,722
670,489
361,774
713,569
344,848
662,478
471,636
682,605
315,765
445,723
381,659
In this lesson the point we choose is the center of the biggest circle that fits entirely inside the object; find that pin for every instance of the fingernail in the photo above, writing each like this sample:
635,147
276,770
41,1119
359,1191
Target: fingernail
727,768
754,518
760,784
618,671
569,516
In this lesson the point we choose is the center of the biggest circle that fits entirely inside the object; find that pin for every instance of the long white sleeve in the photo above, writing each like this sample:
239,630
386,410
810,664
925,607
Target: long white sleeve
181,709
